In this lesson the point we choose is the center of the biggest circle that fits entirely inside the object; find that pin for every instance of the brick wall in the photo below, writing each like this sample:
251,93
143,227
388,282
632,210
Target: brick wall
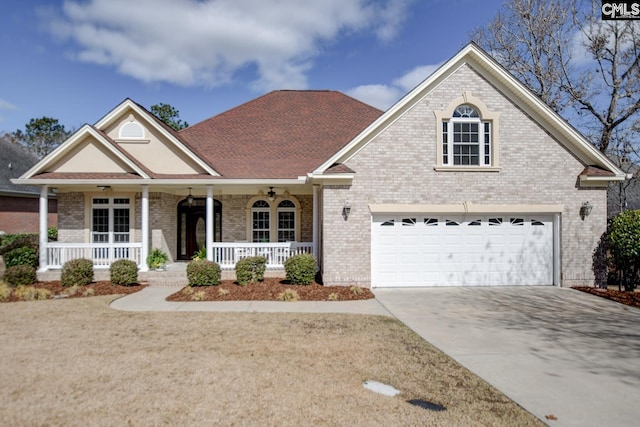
398,167
22,214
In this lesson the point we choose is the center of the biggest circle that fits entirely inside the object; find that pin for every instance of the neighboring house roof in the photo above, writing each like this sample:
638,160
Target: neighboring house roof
505,82
283,134
16,160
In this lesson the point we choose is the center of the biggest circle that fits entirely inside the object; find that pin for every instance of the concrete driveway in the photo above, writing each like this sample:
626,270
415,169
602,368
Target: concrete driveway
556,352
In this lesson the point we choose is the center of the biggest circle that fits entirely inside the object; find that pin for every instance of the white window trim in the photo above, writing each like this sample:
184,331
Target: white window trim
111,206
446,115
273,216
132,139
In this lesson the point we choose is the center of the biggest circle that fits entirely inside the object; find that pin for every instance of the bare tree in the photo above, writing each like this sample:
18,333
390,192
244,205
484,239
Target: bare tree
566,54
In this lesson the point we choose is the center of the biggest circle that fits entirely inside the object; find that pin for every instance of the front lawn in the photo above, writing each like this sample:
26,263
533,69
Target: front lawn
78,362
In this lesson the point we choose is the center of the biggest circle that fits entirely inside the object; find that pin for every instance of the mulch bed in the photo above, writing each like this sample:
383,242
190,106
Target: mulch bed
269,289
627,298
99,288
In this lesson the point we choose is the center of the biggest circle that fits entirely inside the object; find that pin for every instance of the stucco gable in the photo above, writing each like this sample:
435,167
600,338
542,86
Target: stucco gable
87,150
157,147
152,148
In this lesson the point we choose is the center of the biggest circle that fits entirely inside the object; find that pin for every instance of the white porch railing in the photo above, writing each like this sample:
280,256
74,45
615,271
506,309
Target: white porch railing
227,254
102,254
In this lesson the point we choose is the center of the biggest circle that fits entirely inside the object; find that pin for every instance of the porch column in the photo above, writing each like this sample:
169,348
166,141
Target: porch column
44,235
209,224
144,251
315,221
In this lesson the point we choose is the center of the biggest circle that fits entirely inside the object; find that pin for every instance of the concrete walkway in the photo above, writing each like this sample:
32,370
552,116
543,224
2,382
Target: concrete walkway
554,351
153,298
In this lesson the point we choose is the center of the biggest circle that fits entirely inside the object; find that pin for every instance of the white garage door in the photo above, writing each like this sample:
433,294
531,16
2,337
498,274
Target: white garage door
450,250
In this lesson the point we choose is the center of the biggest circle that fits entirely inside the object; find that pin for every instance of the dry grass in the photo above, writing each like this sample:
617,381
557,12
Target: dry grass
78,362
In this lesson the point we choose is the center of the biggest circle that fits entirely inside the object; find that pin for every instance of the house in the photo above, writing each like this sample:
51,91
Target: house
19,206
467,180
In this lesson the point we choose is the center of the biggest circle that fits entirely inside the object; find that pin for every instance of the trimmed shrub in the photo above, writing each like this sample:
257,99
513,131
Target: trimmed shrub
21,256
123,272
157,258
77,272
624,245
250,270
300,269
20,275
201,272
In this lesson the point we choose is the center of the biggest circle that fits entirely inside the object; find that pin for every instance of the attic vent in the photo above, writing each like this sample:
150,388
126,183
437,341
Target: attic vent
131,130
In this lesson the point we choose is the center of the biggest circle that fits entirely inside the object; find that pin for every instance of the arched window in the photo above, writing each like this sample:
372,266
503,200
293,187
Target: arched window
260,221
466,139
467,135
286,221
131,130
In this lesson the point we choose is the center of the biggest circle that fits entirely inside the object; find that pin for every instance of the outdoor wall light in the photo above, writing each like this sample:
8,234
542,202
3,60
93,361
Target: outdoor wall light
585,210
190,198
346,209
272,194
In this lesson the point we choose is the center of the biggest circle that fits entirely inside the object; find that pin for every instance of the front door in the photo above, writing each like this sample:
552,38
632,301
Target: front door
192,226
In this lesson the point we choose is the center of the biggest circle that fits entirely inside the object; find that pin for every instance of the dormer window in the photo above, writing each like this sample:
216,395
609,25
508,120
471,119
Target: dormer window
131,130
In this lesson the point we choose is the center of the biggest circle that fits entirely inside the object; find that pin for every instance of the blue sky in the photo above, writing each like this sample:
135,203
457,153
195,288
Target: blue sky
75,60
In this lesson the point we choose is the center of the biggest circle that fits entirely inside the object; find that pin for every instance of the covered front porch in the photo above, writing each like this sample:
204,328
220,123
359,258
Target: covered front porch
105,223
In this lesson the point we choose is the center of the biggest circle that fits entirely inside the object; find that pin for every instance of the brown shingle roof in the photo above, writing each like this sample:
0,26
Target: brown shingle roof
283,134
596,171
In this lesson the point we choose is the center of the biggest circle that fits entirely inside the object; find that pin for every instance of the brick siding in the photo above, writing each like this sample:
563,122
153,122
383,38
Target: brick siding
398,167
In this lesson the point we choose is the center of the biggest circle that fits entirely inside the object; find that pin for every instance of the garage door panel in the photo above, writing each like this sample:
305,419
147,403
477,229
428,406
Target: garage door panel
454,250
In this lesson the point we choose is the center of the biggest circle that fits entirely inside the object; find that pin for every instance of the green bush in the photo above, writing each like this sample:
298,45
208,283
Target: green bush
123,272
201,272
250,270
21,256
157,258
77,272
10,242
201,253
300,269
624,246
52,233
20,275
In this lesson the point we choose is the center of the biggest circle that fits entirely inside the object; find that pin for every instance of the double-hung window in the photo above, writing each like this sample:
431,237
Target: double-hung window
466,139
260,221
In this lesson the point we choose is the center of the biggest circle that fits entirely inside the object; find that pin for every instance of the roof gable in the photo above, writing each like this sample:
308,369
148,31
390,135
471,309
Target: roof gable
511,87
171,154
283,134
86,151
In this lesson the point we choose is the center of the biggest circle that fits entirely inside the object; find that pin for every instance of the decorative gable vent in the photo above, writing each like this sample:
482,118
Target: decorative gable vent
131,130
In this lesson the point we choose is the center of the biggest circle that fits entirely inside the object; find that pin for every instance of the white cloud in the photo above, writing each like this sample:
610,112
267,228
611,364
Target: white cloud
206,42
379,96
6,105
384,96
